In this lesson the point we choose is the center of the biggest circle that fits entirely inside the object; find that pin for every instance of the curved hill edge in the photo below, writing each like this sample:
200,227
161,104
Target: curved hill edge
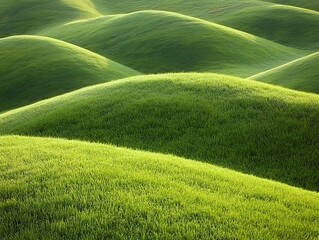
302,80
168,50
279,23
35,68
175,193
179,114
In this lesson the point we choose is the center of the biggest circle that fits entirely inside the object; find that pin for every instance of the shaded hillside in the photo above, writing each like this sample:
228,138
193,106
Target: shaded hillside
34,68
26,16
244,125
287,25
156,41
301,74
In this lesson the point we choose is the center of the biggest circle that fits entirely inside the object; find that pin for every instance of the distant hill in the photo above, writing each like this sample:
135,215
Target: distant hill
35,68
28,16
157,41
291,26
301,74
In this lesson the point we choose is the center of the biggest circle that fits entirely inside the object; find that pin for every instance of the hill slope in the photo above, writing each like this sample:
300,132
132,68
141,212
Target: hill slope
204,9
301,74
310,4
56,189
34,68
156,41
244,125
28,16
287,25
262,18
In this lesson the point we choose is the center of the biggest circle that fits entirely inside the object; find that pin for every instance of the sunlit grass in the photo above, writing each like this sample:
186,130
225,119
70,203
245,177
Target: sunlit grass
241,124
56,189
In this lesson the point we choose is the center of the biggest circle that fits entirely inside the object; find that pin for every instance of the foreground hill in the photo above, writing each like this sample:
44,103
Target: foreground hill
27,16
301,74
245,125
34,68
56,189
156,41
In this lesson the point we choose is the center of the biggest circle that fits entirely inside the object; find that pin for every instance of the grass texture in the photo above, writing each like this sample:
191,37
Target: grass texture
91,148
301,74
240,124
171,42
57,189
35,68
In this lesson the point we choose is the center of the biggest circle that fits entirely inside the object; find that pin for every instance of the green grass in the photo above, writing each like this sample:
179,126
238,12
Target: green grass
271,21
57,189
28,16
291,26
310,4
301,74
240,124
209,148
156,41
34,68
204,9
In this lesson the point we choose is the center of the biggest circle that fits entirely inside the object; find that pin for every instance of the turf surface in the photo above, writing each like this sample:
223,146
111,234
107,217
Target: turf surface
57,189
241,124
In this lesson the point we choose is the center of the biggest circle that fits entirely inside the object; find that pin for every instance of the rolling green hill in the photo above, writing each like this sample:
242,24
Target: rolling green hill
241,124
301,74
310,4
124,119
268,20
279,23
34,68
156,41
28,16
204,9
57,189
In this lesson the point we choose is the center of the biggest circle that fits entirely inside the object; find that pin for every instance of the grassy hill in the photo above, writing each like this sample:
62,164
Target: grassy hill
117,121
244,125
278,23
310,4
34,68
262,18
57,189
204,9
301,74
156,41
28,16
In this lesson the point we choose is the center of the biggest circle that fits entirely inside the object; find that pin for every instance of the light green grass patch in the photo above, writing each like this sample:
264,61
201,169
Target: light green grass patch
240,124
57,189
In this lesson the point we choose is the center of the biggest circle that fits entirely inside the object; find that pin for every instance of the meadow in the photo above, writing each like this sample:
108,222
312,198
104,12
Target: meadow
159,119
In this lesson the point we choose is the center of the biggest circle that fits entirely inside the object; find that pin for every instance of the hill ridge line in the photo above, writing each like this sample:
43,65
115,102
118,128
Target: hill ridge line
284,65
